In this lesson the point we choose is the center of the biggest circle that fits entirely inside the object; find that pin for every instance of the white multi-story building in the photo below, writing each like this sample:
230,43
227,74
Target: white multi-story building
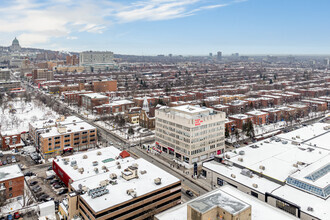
96,59
190,133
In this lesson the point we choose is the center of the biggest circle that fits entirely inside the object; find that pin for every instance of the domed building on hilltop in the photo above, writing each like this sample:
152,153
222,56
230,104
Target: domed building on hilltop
15,45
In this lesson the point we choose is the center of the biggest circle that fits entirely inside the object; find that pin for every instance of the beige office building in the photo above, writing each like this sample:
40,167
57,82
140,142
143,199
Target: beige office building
190,134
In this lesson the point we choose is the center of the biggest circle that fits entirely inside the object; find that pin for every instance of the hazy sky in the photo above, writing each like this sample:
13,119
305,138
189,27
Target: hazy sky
150,27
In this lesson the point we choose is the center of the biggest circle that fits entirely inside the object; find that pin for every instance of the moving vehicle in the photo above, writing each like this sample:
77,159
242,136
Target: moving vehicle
189,193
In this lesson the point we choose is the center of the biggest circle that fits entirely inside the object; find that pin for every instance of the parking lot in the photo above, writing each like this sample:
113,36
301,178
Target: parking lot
45,187
41,188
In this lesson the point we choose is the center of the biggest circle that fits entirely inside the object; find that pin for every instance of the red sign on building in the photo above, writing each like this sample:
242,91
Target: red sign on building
198,122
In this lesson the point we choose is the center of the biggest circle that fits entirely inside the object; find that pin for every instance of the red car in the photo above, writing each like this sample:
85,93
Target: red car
17,215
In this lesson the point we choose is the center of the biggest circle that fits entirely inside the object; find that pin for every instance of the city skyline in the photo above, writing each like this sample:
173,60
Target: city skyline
152,27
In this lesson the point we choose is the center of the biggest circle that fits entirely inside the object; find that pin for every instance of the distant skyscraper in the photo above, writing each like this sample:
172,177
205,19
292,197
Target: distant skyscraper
170,55
210,54
326,61
219,55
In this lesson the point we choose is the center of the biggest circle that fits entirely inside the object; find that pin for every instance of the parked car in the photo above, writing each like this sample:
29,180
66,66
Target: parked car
33,183
189,193
4,162
50,168
62,191
17,215
50,177
13,160
1,154
43,198
54,181
37,190
9,217
57,186
29,173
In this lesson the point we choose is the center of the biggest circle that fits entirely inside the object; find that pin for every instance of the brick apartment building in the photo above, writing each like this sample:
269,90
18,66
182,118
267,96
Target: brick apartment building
91,100
42,74
114,107
258,117
240,119
11,140
11,182
104,86
74,97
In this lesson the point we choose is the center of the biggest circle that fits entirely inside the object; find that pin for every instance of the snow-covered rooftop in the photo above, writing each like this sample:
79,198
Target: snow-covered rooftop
278,159
106,158
264,185
260,210
95,96
304,200
10,172
305,133
69,128
117,193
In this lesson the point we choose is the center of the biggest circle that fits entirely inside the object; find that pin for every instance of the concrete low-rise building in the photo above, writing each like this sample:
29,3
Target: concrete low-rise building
224,203
109,184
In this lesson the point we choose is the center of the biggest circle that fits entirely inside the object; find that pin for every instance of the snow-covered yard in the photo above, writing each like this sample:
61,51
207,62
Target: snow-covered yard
17,114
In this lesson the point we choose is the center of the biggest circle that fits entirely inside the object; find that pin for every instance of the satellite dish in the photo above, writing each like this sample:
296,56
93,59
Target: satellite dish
80,186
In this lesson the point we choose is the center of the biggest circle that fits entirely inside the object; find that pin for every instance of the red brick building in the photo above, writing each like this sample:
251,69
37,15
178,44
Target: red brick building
258,117
115,107
240,119
91,100
11,182
11,140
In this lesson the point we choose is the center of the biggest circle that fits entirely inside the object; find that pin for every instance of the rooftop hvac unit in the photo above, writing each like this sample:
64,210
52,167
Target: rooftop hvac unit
158,181
69,130
113,182
96,170
255,185
131,192
293,138
247,173
73,162
118,167
104,168
117,163
298,136
81,128
113,176
85,156
227,156
99,153
295,165
135,165
233,175
75,167
143,172
240,159
261,167
310,209
81,170
66,162
95,163
67,159
104,182
85,188
242,152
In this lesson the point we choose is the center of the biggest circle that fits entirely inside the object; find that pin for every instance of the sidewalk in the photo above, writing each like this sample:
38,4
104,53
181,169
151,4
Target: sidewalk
181,170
